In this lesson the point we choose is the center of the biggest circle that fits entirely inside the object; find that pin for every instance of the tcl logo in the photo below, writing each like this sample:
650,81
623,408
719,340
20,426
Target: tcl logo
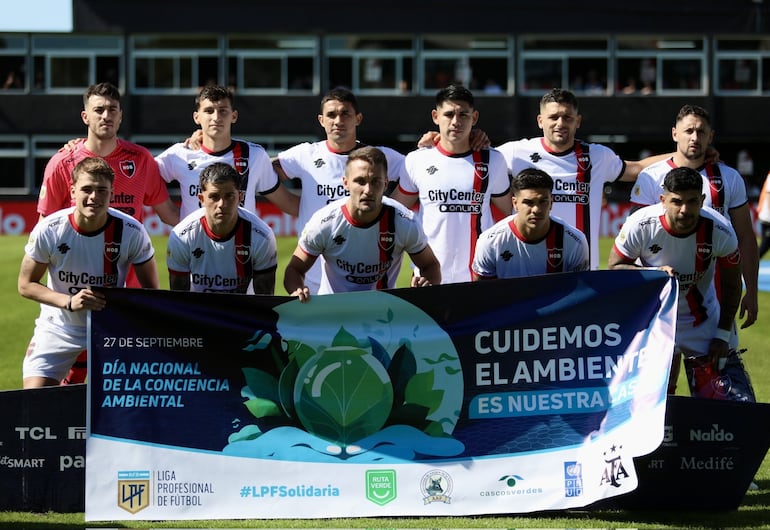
35,433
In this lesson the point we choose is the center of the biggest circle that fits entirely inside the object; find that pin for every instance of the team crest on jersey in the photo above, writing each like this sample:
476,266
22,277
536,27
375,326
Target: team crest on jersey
555,256
704,251
584,162
482,169
127,167
111,250
716,182
387,239
242,253
241,165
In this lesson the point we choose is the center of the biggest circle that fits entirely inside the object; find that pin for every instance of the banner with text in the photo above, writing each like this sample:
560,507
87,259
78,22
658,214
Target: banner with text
505,396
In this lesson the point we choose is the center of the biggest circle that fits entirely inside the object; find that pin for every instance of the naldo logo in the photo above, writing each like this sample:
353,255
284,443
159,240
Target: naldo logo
715,434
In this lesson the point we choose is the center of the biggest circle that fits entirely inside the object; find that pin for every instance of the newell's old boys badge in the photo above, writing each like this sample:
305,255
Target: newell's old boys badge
242,253
111,250
127,167
555,256
482,170
704,251
241,165
387,239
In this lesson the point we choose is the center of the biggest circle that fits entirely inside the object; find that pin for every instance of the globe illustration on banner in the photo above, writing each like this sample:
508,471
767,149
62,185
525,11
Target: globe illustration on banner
371,378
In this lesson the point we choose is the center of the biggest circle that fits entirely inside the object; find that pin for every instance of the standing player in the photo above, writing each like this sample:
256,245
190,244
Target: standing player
221,247
85,246
691,243
723,187
362,237
215,114
320,166
530,241
455,185
579,169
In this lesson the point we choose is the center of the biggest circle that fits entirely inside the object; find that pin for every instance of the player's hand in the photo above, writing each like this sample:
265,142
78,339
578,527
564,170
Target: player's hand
718,349
712,155
88,299
302,293
419,281
194,142
429,139
749,309
479,139
71,145
668,269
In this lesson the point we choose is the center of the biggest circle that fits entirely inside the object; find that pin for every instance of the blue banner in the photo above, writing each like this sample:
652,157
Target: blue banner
492,397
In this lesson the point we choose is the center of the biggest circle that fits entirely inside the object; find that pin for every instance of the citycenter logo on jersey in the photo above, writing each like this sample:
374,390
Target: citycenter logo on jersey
81,280
332,192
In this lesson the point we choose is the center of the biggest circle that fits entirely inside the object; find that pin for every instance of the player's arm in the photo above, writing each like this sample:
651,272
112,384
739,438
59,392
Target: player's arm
617,261
147,274
30,287
195,141
503,203
168,212
294,275
407,199
429,267
740,218
264,282
478,139
179,281
284,199
634,167
729,299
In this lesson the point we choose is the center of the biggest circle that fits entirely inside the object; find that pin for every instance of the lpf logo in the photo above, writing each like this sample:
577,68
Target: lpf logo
133,490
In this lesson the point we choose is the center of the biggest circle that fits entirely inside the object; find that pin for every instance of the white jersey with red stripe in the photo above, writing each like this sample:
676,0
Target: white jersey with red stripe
503,252
647,236
579,175
723,186
221,264
361,257
320,170
183,165
77,260
454,193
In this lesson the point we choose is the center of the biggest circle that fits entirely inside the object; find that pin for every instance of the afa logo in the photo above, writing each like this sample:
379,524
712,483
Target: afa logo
133,490
614,471
436,486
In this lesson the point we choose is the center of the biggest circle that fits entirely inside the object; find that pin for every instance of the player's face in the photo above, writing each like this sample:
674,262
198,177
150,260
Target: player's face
366,185
215,117
682,210
91,195
692,136
559,123
533,208
102,115
221,201
455,119
339,120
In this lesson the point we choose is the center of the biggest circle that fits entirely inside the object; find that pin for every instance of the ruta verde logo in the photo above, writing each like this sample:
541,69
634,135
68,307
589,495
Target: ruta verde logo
381,486
133,490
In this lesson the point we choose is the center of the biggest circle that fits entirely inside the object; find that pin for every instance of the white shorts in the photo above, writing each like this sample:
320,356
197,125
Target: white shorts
52,351
695,341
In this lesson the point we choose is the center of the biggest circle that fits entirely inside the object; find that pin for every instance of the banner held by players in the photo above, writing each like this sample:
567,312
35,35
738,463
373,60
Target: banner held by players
507,396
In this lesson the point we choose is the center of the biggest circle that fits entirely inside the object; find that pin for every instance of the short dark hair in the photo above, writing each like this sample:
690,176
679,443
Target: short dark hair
213,93
341,94
372,155
454,92
682,179
107,90
561,96
531,179
94,166
217,173
695,110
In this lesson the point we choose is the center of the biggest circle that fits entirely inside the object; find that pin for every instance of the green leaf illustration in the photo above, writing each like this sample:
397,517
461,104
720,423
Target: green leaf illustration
420,390
261,408
262,384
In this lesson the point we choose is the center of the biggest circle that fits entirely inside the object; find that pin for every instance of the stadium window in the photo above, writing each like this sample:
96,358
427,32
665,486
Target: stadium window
482,63
13,63
662,65
578,63
280,64
740,65
68,64
14,155
163,64
371,64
